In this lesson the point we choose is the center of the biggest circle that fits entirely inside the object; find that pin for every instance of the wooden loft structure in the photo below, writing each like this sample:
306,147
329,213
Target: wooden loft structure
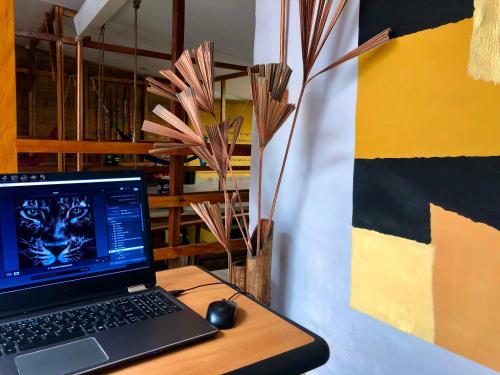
75,147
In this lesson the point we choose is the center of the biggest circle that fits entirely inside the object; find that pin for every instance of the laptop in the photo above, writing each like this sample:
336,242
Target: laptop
77,281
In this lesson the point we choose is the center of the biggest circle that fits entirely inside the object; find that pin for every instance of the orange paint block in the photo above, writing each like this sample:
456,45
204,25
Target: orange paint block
466,287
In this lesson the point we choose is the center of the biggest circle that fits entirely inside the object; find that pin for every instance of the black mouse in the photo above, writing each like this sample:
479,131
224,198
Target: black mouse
222,314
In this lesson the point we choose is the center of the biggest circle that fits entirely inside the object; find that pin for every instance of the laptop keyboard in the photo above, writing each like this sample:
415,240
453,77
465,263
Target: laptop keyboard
69,324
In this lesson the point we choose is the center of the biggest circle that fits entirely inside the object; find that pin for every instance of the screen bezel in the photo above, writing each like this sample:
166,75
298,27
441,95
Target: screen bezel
36,297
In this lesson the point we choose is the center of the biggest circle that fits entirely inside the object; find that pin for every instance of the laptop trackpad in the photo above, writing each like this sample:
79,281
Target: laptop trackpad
62,359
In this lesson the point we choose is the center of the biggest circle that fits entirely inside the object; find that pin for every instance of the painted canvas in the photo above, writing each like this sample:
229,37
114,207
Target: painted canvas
426,220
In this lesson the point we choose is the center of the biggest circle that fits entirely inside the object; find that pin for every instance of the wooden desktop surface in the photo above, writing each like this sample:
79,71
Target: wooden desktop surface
257,335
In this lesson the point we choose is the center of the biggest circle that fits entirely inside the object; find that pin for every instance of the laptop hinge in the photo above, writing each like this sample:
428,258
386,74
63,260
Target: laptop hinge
136,288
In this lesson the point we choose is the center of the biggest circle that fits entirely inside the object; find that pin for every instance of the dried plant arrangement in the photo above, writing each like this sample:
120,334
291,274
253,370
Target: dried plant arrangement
211,142
193,88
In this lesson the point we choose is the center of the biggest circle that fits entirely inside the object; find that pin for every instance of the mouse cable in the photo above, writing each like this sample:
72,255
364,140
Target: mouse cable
178,292
241,292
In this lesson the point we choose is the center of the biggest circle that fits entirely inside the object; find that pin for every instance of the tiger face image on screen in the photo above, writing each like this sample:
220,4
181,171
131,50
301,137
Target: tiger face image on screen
55,231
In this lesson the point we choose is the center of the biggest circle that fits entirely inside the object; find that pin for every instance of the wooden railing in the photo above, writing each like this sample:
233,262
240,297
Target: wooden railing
177,200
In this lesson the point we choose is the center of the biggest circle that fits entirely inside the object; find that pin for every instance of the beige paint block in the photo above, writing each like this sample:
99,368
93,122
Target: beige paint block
484,58
391,280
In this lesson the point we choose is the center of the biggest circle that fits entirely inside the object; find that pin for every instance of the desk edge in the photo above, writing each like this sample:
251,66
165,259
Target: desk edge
296,361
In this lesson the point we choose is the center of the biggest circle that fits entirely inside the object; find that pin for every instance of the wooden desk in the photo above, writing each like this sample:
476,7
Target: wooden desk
261,341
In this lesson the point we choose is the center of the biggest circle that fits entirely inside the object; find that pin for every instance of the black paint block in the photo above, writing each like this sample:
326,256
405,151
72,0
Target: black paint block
409,16
392,196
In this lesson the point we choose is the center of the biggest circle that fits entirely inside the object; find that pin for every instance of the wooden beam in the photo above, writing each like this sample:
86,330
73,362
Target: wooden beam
84,147
185,200
227,77
176,170
79,102
69,13
94,147
52,44
8,124
49,17
127,50
37,35
172,252
118,80
60,83
223,101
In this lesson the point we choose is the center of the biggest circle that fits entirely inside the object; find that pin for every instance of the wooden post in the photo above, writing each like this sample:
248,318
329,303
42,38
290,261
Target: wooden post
8,125
79,101
222,100
60,83
176,168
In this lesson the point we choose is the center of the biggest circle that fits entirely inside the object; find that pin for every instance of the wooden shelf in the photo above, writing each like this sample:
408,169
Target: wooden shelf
184,200
172,252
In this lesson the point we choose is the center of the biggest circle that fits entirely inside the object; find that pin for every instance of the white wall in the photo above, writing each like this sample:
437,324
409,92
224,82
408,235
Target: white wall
312,238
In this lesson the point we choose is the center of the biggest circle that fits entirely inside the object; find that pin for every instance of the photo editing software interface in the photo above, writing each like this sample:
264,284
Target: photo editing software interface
54,231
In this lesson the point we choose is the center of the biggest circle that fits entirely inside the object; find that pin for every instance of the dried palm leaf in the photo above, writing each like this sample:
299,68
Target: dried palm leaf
221,149
269,84
313,30
200,77
220,227
158,88
372,43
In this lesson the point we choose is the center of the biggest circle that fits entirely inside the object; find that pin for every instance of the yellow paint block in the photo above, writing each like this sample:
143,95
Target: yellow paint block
484,59
391,280
415,99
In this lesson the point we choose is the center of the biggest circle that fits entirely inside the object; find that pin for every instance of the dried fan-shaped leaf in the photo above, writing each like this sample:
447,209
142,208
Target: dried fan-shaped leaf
212,217
158,88
314,34
188,101
372,43
200,79
177,123
268,84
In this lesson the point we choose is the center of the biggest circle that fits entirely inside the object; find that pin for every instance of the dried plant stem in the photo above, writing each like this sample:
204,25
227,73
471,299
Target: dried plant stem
242,211
259,201
290,136
229,264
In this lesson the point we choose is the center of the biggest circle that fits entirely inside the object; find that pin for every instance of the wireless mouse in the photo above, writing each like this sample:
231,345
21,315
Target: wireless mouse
222,314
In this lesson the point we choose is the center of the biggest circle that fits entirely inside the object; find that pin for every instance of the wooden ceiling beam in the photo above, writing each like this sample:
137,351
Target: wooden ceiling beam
122,49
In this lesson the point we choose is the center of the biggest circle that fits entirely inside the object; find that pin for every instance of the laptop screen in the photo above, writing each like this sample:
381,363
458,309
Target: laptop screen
52,231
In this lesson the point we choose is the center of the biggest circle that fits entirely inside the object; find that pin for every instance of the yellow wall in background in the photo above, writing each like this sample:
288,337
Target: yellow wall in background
415,99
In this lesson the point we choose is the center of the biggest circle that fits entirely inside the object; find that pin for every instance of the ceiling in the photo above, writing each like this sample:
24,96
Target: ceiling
229,23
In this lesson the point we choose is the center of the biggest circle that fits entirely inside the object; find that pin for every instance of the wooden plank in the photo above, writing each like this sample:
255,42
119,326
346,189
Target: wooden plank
94,147
227,77
88,43
49,17
79,102
184,200
84,147
176,170
118,80
60,84
8,124
37,35
49,25
173,252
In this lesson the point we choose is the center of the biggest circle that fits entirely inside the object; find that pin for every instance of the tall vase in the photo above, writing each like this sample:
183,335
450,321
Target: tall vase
258,276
